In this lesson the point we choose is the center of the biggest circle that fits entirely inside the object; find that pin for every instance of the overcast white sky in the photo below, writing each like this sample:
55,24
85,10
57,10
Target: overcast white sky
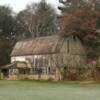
19,5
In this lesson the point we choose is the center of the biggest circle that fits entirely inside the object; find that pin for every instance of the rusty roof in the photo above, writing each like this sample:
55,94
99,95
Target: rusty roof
39,45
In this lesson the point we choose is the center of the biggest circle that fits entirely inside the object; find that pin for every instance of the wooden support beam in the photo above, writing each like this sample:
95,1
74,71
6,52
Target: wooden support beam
34,63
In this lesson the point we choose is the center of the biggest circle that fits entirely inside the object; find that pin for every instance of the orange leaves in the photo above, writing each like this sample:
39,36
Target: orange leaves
81,20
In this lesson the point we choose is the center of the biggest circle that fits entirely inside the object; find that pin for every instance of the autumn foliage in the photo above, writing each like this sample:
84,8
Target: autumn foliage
83,23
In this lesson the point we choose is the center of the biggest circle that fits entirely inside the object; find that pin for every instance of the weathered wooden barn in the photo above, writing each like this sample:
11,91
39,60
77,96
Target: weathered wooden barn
46,58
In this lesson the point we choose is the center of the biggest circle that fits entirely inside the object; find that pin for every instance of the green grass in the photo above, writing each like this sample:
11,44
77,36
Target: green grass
35,90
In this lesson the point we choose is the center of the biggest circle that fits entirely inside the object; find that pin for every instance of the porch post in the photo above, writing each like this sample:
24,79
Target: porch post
34,64
43,65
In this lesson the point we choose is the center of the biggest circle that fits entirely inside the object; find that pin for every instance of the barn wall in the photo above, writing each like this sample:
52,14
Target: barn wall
32,77
72,53
44,59
69,60
73,46
73,57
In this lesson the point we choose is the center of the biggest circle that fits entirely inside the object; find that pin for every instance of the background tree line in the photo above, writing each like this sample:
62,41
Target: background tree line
78,17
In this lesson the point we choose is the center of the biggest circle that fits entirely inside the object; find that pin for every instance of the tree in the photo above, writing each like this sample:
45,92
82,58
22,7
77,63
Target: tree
72,5
81,18
7,34
37,20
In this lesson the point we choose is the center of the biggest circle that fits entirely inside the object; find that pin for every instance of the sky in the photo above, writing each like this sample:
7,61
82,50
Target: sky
18,5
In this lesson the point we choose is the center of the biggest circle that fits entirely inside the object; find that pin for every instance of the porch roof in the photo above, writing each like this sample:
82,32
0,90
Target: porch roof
7,66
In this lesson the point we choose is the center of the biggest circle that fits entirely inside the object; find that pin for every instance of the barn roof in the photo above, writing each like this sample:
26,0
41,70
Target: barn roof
40,45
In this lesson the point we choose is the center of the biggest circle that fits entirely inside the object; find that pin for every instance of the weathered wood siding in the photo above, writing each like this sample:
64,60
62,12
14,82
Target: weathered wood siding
70,54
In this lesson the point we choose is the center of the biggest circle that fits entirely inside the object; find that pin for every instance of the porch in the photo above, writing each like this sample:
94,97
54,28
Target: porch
44,73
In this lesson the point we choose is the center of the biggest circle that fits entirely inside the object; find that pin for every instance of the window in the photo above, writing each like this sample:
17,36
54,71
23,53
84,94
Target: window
51,70
14,71
74,38
68,48
24,71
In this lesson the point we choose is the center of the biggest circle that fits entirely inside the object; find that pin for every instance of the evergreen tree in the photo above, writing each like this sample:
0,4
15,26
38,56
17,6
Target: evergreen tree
7,34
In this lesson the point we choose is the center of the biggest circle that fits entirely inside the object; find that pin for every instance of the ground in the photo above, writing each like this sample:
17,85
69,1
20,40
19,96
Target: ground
36,90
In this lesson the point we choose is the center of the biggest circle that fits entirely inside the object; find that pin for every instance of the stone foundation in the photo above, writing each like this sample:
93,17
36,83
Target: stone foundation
32,77
71,74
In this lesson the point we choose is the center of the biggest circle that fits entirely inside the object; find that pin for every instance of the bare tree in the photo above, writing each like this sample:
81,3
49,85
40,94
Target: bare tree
38,19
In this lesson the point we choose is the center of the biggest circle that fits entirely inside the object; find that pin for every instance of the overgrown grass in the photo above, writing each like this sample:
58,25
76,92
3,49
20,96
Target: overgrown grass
41,90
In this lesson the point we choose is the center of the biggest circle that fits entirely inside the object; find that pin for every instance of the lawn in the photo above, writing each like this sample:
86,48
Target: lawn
35,90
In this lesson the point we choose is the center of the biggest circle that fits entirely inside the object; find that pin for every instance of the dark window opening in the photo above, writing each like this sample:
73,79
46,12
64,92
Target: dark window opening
24,71
74,38
49,70
68,46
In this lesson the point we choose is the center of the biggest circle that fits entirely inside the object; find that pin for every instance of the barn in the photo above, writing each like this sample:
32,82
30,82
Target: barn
46,57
